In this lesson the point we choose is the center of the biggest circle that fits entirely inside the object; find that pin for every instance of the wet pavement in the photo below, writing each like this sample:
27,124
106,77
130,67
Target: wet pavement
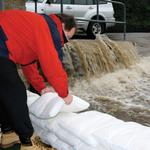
142,40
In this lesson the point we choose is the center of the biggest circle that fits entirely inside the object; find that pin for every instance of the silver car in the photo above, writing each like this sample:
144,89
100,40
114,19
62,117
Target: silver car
81,9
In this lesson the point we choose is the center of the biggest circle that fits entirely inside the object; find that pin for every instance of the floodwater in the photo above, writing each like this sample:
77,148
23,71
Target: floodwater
90,58
124,93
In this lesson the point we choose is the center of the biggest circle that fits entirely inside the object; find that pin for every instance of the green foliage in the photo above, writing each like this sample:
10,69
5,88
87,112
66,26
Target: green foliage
138,14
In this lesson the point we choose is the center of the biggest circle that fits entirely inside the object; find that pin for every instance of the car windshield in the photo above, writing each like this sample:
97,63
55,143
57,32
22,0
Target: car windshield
39,1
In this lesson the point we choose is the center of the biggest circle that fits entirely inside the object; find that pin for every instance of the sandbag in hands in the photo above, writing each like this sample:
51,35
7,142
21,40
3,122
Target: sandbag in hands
50,104
47,90
68,99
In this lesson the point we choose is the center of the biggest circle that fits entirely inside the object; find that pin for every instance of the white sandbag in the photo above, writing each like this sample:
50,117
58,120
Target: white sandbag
38,122
77,105
87,147
50,104
67,137
132,136
51,125
51,139
123,136
48,138
84,146
59,145
31,97
108,132
47,125
139,143
103,140
38,131
64,141
84,124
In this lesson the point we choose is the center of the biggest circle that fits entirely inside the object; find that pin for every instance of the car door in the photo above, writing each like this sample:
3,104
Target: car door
30,6
80,8
55,6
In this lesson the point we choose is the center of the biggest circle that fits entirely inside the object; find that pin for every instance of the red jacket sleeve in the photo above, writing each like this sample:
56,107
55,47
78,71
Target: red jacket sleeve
34,78
49,60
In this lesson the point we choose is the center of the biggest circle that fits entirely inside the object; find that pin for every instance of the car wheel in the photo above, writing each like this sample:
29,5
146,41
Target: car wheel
95,28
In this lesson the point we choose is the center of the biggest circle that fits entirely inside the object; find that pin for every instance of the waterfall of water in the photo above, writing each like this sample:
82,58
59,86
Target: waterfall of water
94,57
118,81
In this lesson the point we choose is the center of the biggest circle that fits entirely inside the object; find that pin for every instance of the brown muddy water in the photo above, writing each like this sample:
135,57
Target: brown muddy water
111,76
124,93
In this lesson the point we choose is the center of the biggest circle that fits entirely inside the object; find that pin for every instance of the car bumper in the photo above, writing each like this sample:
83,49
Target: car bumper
82,24
111,22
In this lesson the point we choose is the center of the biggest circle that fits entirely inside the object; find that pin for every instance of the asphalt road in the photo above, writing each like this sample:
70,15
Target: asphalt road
142,40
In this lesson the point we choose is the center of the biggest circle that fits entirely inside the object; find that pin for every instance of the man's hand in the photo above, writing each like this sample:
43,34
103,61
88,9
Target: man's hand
47,90
68,99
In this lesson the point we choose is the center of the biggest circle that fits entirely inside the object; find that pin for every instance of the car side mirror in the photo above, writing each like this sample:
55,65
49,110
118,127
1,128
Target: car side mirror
48,2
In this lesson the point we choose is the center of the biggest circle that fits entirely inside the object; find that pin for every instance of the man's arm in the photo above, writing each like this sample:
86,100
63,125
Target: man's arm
49,61
34,78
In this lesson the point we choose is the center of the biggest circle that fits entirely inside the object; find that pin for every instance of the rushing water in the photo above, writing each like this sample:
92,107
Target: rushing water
111,76
93,57
124,93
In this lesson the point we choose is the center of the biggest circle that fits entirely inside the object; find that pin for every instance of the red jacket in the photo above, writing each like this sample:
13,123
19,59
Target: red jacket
29,39
59,26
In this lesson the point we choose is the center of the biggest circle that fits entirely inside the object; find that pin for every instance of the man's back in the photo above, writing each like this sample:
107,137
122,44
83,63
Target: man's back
21,28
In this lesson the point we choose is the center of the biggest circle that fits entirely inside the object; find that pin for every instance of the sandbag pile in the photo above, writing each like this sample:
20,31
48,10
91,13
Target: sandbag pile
90,130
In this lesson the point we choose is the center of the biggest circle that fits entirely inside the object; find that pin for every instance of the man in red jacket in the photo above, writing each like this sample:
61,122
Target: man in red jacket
26,38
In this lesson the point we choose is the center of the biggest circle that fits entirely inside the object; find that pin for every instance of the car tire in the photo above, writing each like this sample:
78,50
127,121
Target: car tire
92,29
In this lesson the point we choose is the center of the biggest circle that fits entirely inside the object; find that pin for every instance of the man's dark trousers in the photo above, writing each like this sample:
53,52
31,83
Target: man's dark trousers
14,112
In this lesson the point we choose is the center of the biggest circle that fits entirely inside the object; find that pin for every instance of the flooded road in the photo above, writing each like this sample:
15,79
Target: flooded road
124,93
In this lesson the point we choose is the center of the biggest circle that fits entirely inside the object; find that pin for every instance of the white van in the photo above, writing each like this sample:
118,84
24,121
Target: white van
81,9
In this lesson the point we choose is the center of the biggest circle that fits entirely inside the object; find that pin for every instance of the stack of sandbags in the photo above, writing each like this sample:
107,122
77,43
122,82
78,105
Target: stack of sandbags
31,97
73,131
90,130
